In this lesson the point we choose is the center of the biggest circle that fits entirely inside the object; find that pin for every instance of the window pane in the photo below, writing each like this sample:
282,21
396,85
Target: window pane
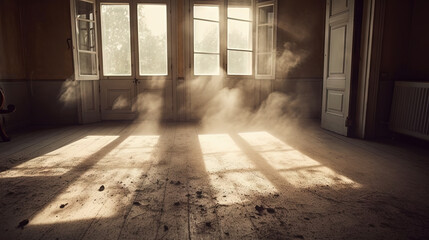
243,13
86,35
206,64
87,64
206,36
206,12
239,35
264,64
84,10
152,24
239,63
265,38
266,15
115,35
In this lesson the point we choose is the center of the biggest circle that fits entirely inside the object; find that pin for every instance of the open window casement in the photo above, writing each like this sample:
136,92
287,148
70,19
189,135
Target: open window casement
84,30
266,19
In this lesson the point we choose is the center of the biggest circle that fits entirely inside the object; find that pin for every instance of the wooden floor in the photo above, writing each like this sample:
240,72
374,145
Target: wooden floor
122,180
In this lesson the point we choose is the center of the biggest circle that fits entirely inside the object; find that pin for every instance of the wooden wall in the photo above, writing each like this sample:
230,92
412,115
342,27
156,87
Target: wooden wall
12,64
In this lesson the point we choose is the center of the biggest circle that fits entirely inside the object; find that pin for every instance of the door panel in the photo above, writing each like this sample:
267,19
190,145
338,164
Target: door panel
90,101
337,67
118,99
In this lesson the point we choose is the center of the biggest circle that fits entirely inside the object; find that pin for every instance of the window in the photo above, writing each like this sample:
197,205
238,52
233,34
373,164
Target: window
152,39
206,40
265,41
235,44
116,41
239,45
84,39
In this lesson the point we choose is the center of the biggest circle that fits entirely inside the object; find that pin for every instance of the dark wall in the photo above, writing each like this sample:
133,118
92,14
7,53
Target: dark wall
405,52
12,65
418,51
300,38
38,59
300,48
47,26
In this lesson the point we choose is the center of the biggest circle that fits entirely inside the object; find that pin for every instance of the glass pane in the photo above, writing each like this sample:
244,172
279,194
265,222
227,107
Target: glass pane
239,63
206,12
115,35
152,24
239,35
87,63
266,15
243,13
206,36
265,38
206,64
264,64
86,35
85,10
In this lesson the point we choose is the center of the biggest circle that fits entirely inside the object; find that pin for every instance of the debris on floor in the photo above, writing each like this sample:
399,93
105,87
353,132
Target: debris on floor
101,188
63,205
271,210
23,223
199,194
259,208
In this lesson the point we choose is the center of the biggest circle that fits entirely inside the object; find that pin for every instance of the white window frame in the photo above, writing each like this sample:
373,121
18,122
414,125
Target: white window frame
274,37
135,67
75,41
100,55
135,44
222,66
252,22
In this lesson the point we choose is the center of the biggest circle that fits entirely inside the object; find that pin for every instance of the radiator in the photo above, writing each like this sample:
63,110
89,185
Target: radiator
410,109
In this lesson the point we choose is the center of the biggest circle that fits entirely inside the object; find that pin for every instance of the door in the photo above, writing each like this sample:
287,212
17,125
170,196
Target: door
337,66
85,56
135,58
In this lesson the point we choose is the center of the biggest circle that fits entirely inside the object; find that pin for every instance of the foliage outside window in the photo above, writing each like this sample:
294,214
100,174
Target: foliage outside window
116,40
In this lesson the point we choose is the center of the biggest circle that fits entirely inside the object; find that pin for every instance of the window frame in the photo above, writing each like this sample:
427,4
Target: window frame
274,44
75,41
135,65
220,4
135,42
115,77
252,22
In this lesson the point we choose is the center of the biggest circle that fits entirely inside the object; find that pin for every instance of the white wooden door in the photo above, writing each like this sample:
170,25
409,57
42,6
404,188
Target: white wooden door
136,58
337,66
117,95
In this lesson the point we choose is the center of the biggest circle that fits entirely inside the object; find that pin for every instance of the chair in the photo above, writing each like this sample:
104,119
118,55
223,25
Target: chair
10,109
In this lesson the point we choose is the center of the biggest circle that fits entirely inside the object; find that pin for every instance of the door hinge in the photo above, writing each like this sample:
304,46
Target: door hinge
349,122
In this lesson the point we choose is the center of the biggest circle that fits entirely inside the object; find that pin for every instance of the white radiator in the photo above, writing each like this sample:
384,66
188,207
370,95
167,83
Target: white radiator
410,109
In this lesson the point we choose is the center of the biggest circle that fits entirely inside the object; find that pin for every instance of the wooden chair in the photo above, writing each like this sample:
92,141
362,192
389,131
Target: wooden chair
10,109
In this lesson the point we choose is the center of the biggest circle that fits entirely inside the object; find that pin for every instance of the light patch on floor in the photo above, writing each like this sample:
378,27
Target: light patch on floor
61,160
231,173
297,168
120,172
